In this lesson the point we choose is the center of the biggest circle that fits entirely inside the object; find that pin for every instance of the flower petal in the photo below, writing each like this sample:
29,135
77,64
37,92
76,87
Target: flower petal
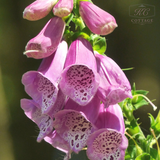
106,144
41,89
91,110
44,121
57,142
80,79
73,127
63,8
42,85
111,117
59,104
46,42
38,9
114,86
97,20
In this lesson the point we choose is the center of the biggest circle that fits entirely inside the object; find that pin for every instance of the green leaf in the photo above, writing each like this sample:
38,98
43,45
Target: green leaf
76,7
132,151
134,87
143,156
141,92
152,120
153,153
135,92
127,69
100,45
140,104
155,123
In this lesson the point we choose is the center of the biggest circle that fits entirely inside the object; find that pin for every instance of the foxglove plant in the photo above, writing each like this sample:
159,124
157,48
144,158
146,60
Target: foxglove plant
79,95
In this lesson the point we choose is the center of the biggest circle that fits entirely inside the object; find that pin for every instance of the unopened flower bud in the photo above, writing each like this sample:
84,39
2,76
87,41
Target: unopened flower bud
63,8
46,42
97,20
38,9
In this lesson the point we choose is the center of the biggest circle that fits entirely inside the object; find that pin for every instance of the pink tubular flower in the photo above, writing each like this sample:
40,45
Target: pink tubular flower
73,127
114,86
46,42
33,112
109,141
80,79
38,9
74,123
97,20
42,85
111,117
63,8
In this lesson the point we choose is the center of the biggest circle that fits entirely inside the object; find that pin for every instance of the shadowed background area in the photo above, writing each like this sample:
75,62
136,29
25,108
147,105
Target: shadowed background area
130,45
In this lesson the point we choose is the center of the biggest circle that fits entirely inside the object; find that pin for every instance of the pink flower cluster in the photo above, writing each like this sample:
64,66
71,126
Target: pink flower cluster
75,91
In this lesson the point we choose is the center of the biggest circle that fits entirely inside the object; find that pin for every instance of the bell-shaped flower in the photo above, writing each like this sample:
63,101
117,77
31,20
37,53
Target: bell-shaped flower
42,85
43,121
114,86
74,123
46,42
109,141
97,20
110,117
63,8
80,79
38,9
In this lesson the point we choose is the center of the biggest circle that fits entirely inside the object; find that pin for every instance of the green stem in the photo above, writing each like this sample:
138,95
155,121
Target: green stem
129,115
139,150
79,22
69,20
152,131
128,112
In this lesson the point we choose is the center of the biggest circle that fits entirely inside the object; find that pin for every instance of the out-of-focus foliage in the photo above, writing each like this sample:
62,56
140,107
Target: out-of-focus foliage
140,145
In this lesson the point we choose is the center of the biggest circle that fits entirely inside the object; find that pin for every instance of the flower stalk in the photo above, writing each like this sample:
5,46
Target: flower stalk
80,98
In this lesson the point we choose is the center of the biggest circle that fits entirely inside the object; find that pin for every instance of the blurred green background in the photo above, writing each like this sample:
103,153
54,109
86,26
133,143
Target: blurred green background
130,45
